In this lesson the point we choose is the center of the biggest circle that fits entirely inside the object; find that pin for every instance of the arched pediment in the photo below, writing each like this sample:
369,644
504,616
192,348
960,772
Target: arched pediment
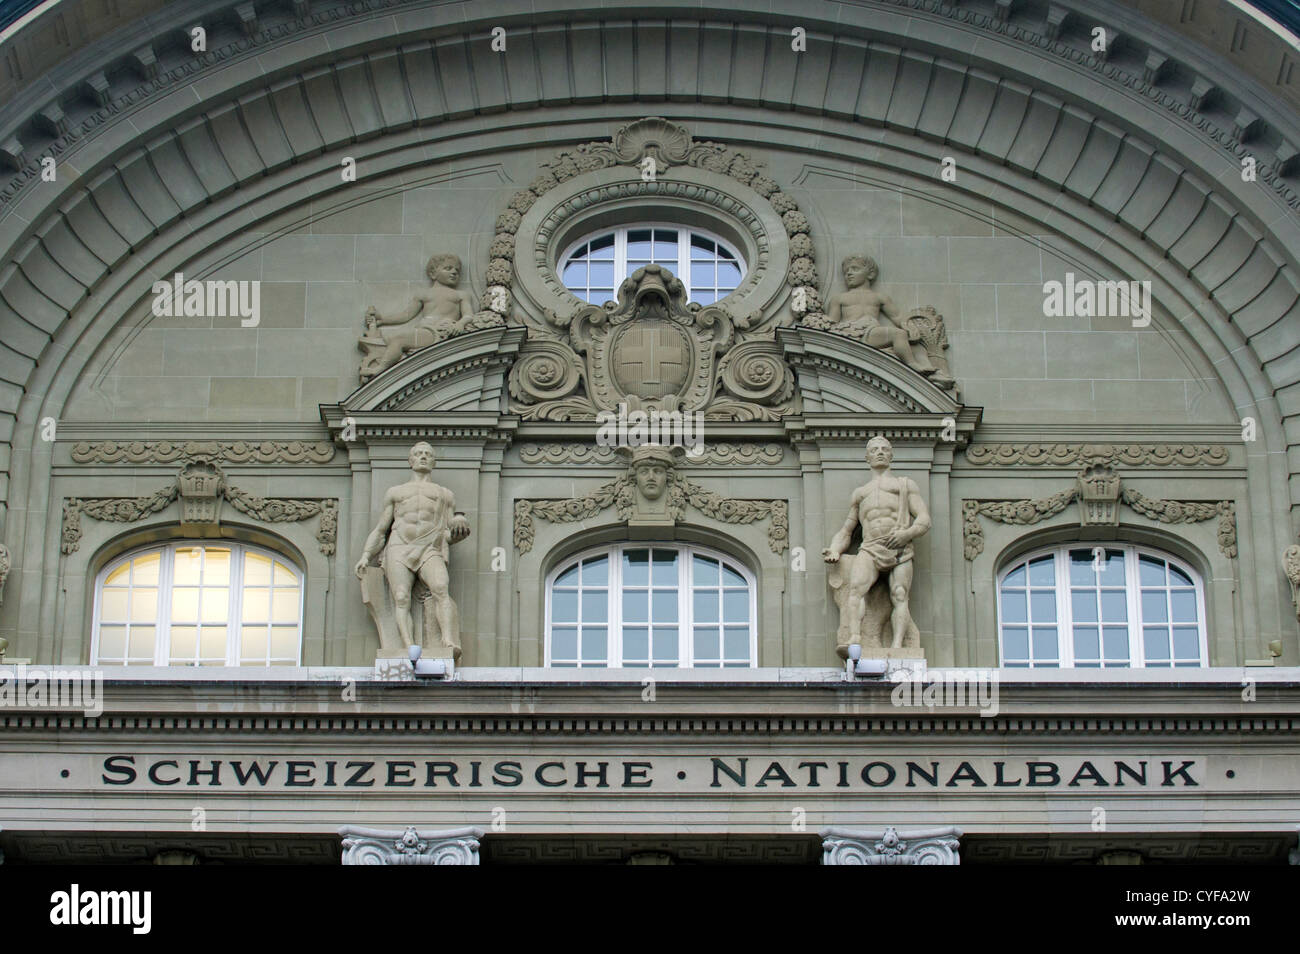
465,373
839,374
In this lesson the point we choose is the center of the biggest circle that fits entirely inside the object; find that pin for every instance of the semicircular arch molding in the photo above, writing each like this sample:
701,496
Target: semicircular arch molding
1225,249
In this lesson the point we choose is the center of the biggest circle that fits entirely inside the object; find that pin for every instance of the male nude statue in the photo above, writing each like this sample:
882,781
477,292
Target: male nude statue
443,305
892,515
864,310
418,523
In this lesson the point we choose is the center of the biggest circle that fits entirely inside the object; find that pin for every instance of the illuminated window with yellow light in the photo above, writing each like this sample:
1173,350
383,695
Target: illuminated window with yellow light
198,604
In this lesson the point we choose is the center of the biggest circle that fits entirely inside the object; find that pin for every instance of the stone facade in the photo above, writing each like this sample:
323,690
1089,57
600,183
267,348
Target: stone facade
967,183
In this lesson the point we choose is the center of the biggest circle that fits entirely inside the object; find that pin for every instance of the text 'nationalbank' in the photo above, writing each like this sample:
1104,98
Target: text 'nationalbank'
737,773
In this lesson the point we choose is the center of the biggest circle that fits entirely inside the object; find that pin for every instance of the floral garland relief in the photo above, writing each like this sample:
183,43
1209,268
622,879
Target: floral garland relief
201,486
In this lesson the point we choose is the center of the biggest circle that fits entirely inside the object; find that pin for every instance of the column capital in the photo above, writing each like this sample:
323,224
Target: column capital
858,846
383,846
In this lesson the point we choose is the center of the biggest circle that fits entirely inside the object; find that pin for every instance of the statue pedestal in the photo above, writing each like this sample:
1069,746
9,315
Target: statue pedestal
907,658
392,665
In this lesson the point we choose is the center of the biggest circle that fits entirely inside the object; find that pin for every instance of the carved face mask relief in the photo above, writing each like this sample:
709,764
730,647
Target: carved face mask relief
651,479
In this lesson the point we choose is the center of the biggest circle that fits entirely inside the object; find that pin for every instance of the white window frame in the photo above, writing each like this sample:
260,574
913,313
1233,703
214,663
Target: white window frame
685,604
166,576
1132,594
682,271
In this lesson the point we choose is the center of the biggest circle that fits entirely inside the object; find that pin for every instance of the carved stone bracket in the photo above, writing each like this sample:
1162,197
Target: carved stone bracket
379,846
1066,455
203,486
928,846
1093,487
230,452
621,494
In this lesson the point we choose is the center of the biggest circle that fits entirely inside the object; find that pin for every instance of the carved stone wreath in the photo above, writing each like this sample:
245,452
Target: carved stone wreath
202,485
1027,512
667,144
620,494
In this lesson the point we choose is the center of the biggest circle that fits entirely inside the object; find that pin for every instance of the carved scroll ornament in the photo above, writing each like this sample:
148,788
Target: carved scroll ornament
742,455
1025,512
1065,455
230,452
622,494
203,486
652,350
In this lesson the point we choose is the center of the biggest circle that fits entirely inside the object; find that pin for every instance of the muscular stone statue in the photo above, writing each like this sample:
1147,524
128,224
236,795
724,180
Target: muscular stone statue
865,313
892,514
417,526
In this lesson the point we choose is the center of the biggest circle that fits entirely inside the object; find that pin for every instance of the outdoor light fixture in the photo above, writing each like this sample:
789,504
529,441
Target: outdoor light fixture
429,668
856,666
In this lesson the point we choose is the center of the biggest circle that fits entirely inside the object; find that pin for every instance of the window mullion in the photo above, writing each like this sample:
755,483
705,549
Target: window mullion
1204,624
1133,592
163,627
1064,616
683,260
614,593
686,626
234,600
620,261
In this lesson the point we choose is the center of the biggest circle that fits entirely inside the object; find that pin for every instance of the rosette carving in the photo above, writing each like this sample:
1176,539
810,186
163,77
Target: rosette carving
546,371
756,371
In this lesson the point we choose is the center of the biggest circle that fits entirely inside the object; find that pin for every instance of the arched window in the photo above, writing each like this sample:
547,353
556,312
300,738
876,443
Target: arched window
198,604
1100,606
594,267
650,606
